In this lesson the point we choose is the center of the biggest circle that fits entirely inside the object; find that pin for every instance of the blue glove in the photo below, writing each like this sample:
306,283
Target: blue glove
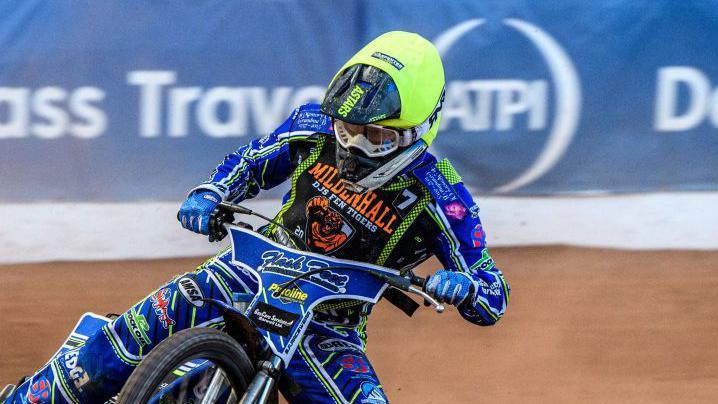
450,287
195,212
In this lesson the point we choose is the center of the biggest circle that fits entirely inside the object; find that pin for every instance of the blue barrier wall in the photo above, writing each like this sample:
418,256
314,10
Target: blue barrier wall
138,100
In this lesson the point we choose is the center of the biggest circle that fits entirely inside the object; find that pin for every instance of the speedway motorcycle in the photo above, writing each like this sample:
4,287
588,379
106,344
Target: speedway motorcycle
243,362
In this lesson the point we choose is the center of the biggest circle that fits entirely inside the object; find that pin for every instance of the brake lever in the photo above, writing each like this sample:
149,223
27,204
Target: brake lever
428,299
410,285
421,283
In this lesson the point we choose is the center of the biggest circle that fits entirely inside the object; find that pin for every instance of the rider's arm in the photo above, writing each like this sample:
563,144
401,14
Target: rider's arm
266,162
461,246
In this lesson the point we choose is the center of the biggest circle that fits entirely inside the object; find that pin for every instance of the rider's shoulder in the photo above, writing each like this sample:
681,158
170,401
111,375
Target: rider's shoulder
443,182
306,121
432,169
448,171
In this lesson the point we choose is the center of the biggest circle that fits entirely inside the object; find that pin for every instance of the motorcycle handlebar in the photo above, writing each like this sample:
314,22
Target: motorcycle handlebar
224,214
234,208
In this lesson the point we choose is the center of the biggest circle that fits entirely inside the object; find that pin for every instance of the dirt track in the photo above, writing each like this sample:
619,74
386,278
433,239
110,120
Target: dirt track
582,326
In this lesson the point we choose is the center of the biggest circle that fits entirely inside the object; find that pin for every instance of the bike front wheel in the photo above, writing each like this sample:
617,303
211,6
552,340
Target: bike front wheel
190,366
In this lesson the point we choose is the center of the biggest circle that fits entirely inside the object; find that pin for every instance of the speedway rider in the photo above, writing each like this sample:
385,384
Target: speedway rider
363,187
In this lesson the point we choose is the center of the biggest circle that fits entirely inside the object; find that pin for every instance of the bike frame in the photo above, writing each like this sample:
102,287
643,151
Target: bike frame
291,283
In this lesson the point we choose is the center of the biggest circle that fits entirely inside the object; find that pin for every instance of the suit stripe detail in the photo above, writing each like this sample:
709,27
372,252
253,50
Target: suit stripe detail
63,387
318,372
119,348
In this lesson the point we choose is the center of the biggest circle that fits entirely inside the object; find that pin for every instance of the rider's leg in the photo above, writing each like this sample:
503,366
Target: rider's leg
98,370
331,366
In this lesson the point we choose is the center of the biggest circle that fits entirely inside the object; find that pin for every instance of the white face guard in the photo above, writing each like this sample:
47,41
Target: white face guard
390,169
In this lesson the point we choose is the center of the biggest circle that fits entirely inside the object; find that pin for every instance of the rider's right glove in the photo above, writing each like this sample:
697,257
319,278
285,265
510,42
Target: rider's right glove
195,212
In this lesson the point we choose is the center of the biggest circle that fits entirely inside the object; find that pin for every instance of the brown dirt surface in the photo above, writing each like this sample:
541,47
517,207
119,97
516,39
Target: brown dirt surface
583,325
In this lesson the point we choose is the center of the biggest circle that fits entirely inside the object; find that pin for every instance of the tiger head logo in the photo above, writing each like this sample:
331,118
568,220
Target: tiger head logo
327,230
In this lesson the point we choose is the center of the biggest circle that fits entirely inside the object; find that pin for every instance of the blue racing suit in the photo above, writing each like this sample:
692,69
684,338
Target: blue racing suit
424,211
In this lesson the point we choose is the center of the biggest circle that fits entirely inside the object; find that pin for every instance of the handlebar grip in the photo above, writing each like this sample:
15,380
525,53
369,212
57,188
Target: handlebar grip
418,281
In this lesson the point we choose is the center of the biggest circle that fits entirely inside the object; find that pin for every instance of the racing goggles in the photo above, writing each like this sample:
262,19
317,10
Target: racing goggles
378,141
373,140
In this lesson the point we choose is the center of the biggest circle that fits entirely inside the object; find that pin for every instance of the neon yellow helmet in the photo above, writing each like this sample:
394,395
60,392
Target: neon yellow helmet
395,81
413,65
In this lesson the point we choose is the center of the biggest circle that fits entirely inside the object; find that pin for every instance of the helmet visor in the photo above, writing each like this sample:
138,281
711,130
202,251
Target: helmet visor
362,94
372,140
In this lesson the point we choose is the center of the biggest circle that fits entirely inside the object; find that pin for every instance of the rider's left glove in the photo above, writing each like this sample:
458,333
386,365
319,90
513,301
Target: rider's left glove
450,287
195,212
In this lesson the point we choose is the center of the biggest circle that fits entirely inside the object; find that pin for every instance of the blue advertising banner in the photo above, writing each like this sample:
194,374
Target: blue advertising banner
139,100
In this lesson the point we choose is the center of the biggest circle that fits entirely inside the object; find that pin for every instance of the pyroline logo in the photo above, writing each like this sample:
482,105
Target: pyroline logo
567,89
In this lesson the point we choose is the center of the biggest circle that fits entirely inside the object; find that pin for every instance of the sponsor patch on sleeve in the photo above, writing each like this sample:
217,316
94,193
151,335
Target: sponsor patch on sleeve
190,291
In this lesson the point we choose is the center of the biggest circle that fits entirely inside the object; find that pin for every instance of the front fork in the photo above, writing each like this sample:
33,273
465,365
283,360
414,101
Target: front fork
259,389
263,383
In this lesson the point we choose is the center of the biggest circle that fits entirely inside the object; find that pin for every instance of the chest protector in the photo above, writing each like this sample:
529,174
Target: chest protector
334,221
